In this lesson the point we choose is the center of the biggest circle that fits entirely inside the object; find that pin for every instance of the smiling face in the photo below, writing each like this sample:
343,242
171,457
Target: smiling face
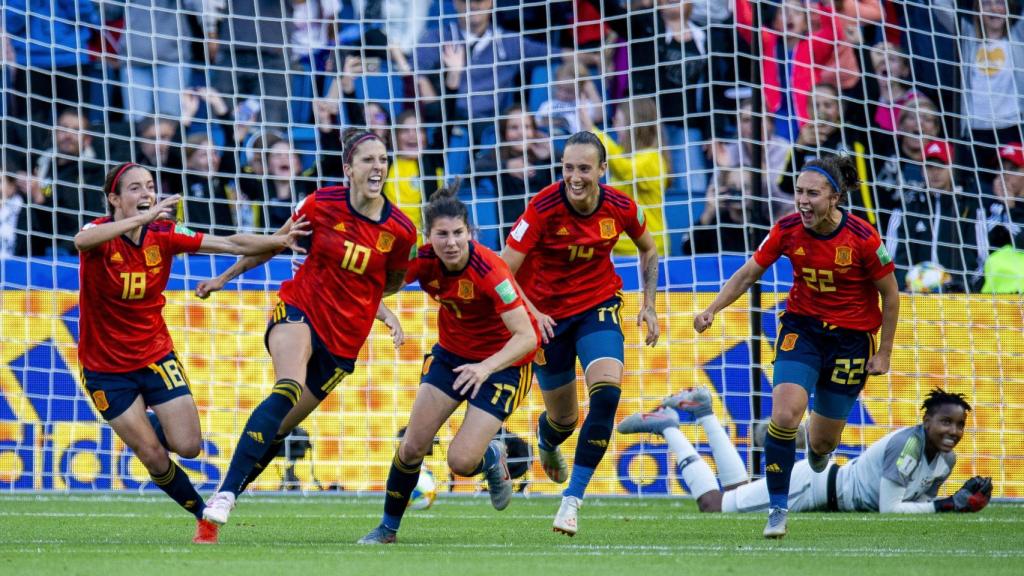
367,169
825,103
450,239
410,139
816,200
944,427
582,171
135,193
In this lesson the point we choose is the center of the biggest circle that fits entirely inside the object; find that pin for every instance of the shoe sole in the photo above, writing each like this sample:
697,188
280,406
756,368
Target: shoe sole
213,520
776,536
566,531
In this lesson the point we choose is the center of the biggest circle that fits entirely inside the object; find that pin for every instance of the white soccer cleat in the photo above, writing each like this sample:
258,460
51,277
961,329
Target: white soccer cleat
650,422
565,520
776,526
696,401
218,508
553,464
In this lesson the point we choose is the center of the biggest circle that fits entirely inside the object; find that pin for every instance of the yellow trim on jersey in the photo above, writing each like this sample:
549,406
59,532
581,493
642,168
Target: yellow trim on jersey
525,382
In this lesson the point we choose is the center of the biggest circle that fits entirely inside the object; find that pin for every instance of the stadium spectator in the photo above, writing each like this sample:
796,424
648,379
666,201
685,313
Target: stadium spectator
251,61
158,145
569,278
12,204
992,68
937,224
154,53
285,184
63,187
1007,206
207,200
519,165
1004,268
669,56
722,225
483,354
413,168
636,165
900,473
49,42
840,269
572,93
918,123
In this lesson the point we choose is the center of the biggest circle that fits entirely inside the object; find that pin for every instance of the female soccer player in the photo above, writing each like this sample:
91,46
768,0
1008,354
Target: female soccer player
900,473
360,250
486,340
127,357
826,343
559,249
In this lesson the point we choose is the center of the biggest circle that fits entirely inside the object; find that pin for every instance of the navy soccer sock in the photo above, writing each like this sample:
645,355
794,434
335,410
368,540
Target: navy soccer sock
490,458
176,484
779,454
402,479
551,435
258,433
272,452
159,429
594,436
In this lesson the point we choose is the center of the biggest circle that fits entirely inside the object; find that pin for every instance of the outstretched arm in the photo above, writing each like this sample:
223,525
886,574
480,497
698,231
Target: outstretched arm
257,244
740,282
207,287
93,236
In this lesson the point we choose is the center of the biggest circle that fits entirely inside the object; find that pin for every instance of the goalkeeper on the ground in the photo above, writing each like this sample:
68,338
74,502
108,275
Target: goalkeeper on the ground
900,473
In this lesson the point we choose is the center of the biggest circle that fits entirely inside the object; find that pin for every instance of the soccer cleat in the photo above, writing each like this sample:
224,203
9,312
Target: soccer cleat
651,422
696,401
499,481
218,508
380,535
565,520
776,526
206,532
553,464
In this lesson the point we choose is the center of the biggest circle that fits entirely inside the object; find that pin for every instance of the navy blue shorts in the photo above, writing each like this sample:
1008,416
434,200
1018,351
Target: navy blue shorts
324,371
112,393
499,396
828,361
590,335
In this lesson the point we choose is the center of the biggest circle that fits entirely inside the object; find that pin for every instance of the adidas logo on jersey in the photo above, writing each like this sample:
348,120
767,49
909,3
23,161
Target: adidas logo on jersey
117,258
340,226
562,231
257,436
435,284
773,468
799,252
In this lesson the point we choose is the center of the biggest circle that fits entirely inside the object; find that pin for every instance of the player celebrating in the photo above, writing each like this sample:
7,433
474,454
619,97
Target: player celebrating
486,340
826,342
900,473
125,351
360,250
559,249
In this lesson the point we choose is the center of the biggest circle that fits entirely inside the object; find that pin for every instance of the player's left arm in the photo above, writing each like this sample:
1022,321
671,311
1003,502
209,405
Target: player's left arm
886,285
891,500
523,341
256,244
649,266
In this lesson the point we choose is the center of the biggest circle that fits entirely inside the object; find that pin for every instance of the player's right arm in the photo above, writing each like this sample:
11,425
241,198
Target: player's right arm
514,258
890,500
740,282
207,287
93,236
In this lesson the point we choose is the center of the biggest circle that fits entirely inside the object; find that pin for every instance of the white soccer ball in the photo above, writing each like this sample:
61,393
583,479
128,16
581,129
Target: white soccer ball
926,277
425,492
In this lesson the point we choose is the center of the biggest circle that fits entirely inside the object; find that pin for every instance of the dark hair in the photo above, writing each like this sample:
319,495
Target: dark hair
939,397
842,170
352,138
111,182
588,138
445,203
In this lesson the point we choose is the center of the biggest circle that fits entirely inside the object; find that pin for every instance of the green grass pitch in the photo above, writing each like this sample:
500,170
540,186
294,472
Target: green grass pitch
149,535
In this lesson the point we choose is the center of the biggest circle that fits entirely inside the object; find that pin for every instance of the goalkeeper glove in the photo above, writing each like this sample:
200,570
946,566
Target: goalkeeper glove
973,496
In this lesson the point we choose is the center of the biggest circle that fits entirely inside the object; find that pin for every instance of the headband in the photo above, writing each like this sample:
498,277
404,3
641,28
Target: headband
347,158
824,173
113,183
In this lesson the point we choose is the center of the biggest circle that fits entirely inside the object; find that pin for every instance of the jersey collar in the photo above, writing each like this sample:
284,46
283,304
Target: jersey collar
832,234
569,206
142,237
384,213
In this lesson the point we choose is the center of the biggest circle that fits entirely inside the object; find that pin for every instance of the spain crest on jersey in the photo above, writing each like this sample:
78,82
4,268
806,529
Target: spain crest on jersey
844,255
385,242
152,254
466,289
608,230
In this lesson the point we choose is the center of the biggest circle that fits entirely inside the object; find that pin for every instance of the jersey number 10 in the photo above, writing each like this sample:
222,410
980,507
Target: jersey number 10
356,258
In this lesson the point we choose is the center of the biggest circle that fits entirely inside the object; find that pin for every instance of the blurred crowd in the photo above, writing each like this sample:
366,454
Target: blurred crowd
707,108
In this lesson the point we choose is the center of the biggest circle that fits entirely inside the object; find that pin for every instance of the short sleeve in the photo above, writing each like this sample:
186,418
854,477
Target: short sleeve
526,232
635,223
901,458
502,290
876,258
403,254
182,239
770,249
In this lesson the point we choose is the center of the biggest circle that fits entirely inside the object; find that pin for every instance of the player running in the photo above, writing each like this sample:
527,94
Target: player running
559,250
360,250
486,340
125,351
826,341
900,473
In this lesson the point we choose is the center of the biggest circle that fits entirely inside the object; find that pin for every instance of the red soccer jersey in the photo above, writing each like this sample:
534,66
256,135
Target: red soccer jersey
834,275
472,301
121,297
342,281
568,268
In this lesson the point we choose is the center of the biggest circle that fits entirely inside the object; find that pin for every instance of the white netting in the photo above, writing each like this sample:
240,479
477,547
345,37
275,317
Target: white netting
707,108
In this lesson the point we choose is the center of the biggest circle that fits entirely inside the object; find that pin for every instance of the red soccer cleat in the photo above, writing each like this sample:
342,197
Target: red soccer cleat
206,533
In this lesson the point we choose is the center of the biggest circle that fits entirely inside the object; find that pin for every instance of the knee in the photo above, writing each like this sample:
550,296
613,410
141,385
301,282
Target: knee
568,416
786,417
189,448
462,464
411,453
153,456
